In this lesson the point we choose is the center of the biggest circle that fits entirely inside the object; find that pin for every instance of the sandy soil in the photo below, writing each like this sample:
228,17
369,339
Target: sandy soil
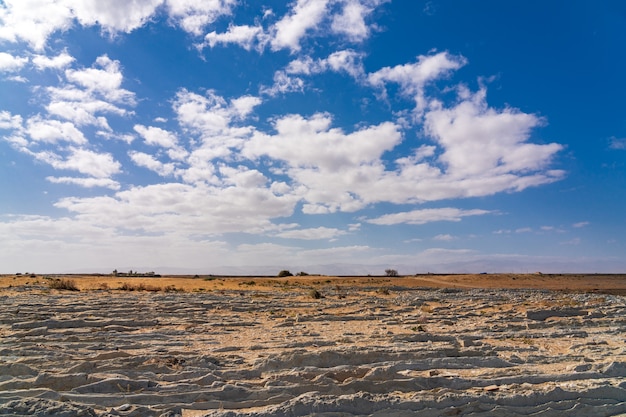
471,345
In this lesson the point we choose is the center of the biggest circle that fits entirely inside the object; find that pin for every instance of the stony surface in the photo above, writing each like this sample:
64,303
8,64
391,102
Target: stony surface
362,351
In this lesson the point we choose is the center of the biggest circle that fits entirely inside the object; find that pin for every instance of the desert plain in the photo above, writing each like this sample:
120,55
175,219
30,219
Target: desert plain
427,345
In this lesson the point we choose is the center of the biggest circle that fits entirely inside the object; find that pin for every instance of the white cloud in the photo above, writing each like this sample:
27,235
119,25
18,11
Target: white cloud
208,115
242,35
88,182
17,79
315,233
305,65
53,131
305,15
283,84
184,210
215,124
580,224
444,238
194,15
423,216
60,61
347,61
96,91
412,78
148,161
305,18
99,165
333,168
10,63
479,141
33,21
114,15
156,136
243,106
105,78
9,121
312,142
351,21
242,177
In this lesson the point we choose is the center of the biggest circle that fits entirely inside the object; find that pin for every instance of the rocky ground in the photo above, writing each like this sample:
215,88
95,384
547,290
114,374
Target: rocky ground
379,350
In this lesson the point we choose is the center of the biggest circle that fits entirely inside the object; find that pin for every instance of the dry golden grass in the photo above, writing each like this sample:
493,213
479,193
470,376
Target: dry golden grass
601,283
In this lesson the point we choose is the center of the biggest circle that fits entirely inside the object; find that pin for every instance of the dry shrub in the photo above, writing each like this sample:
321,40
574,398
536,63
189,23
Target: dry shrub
140,287
127,287
315,294
63,284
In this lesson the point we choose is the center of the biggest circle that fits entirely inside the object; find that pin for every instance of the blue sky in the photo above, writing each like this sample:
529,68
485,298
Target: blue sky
326,136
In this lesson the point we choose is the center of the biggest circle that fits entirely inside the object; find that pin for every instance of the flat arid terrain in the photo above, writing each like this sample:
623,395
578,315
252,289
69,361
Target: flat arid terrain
428,345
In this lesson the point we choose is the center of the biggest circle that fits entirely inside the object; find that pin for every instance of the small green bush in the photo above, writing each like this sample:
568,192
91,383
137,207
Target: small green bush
285,273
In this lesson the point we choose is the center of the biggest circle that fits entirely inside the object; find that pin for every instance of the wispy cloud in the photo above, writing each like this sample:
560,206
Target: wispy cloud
617,143
424,216
312,233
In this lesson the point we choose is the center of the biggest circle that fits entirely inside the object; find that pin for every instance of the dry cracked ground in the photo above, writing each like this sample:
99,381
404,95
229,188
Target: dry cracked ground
359,351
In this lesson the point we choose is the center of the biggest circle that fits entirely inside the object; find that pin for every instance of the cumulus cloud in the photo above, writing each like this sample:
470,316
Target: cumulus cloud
216,126
85,161
156,136
113,15
351,21
243,35
480,141
104,78
305,15
10,63
9,121
348,61
61,143
52,131
194,15
91,94
148,161
283,83
288,80
305,18
60,61
423,216
412,78
33,21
